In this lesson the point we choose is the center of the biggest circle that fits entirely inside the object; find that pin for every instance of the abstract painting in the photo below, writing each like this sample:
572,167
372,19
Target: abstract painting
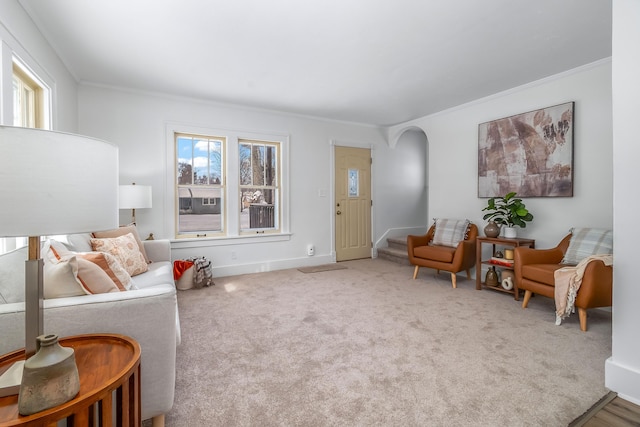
529,153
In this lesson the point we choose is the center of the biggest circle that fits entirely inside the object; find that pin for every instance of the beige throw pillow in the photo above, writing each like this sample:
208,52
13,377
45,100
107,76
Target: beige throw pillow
94,280
586,242
121,231
110,265
125,250
450,232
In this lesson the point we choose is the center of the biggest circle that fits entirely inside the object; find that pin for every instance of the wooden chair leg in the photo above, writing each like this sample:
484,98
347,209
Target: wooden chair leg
469,274
527,297
582,313
453,280
415,272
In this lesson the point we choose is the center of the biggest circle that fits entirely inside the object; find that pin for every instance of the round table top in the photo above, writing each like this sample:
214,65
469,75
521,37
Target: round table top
104,362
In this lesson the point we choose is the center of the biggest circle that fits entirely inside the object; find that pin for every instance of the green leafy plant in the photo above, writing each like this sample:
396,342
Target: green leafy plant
507,210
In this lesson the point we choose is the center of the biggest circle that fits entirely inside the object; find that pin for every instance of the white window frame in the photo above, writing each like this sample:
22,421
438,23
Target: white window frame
40,114
222,186
275,188
232,203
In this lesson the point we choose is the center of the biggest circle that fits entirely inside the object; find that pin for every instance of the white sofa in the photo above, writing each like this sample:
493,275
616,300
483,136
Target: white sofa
148,314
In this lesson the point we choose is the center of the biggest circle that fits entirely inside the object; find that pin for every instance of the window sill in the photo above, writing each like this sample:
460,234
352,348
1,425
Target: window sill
227,240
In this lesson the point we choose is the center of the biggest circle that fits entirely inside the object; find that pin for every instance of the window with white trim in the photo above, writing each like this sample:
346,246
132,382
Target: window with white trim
259,185
200,185
28,99
226,185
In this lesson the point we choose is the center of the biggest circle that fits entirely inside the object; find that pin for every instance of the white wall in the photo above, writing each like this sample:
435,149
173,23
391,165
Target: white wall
453,153
137,123
622,372
20,37
401,198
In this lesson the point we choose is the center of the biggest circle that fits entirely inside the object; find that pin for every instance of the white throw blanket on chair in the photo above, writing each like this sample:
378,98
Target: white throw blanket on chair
567,283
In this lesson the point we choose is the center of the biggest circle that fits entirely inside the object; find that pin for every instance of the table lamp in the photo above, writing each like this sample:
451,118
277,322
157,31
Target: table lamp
53,183
134,197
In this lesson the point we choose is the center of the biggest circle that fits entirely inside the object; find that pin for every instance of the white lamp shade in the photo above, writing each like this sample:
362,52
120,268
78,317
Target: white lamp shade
56,183
135,196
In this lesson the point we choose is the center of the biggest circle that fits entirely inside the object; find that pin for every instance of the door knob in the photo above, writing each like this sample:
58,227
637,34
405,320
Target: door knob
338,213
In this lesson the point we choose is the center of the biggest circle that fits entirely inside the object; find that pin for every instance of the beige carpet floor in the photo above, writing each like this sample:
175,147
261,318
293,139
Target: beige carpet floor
368,345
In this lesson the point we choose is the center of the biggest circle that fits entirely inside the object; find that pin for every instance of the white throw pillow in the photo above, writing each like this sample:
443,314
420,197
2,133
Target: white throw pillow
59,279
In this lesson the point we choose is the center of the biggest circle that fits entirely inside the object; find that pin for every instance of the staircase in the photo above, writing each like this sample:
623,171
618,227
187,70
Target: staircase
395,251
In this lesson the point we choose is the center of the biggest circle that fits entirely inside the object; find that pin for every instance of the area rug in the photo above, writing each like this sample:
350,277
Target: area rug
368,345
323,267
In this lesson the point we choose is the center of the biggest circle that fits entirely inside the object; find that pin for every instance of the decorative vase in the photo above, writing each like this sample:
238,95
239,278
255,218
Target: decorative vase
492,229
510,232
50,377
492,277
508,279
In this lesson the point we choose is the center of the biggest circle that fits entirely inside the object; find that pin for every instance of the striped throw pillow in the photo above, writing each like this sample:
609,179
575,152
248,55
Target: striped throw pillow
449,232
588,241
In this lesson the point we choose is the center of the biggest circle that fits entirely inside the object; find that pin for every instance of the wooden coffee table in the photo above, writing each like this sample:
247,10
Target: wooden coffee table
106,363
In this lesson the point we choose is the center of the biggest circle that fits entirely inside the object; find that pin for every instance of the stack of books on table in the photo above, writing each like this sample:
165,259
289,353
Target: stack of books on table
501,261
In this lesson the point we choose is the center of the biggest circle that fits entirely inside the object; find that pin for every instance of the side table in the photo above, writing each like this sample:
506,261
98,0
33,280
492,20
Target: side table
498,241
106,363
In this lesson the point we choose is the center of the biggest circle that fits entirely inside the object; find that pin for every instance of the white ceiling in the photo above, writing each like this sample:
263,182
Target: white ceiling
380,62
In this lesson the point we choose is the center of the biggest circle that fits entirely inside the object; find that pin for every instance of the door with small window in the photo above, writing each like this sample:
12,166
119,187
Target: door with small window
353,203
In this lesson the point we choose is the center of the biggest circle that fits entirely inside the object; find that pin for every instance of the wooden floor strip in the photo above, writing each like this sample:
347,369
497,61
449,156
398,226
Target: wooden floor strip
610,411
619,413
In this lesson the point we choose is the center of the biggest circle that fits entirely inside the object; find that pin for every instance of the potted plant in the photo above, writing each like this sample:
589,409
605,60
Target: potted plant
508,211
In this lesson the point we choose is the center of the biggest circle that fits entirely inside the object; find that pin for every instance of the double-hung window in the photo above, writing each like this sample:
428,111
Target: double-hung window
259,185
200,185
227,185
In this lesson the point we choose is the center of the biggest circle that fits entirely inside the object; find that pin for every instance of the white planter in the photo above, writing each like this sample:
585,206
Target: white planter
510,232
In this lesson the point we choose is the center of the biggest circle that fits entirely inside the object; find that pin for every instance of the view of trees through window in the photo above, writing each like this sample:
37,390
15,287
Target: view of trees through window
200,184
258,184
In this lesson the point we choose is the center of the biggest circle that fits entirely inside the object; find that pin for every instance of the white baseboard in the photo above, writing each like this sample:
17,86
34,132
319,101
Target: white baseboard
262,267
622,380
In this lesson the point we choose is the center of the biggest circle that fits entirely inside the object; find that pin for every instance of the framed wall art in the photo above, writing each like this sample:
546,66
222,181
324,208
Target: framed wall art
529,153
